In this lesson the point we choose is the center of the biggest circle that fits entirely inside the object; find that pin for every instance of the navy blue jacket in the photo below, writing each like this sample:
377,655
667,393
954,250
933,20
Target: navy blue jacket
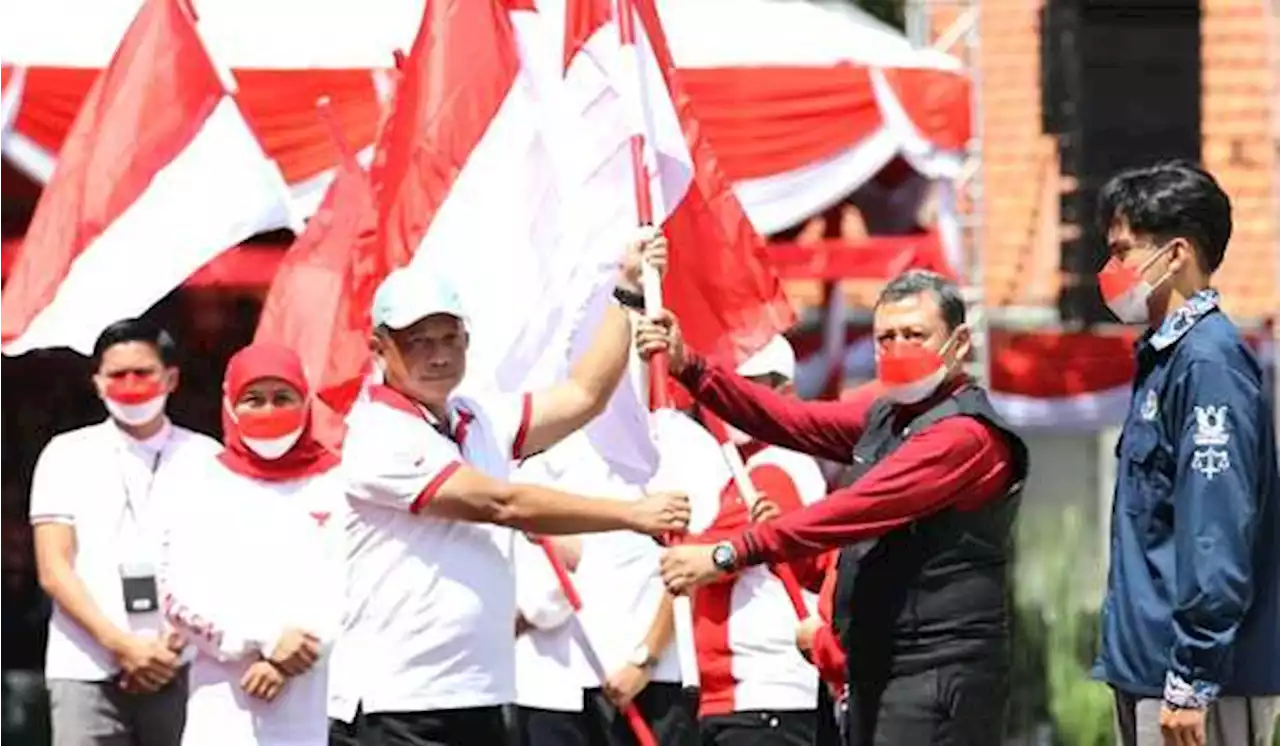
1193,594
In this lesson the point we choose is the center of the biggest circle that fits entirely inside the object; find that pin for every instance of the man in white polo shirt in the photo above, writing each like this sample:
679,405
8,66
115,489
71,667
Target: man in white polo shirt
428,654
97,496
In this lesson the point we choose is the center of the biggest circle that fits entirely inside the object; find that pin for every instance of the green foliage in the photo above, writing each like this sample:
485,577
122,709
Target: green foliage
1081,708
1055,636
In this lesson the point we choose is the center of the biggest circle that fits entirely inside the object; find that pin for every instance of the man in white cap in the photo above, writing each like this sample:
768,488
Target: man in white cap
427,656
756,688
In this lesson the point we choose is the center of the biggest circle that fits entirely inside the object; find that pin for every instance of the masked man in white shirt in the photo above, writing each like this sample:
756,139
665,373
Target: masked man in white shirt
98,495
428,653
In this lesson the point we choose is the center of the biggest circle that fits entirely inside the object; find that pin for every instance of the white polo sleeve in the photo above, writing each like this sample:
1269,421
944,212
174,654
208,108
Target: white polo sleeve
539,597
510,417
394,459
54,496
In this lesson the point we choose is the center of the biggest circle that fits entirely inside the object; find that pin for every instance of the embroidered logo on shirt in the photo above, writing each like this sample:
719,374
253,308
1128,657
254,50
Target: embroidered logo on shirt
1150,406
1211,426
321,517
1210,462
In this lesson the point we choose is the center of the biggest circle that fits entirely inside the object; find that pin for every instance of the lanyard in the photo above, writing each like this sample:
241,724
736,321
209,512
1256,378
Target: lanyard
130,512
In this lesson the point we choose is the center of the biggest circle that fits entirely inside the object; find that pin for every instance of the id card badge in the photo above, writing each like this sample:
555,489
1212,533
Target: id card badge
139,582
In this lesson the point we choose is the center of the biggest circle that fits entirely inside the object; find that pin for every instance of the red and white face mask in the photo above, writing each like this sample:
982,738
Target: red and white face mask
272,432
134,399
1126,291
910,372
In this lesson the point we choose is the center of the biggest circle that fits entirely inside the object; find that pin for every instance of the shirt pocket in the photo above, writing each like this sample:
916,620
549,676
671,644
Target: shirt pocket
1147,481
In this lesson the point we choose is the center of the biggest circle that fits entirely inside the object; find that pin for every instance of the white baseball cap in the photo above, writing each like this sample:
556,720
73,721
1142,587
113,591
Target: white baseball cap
408,295
777,356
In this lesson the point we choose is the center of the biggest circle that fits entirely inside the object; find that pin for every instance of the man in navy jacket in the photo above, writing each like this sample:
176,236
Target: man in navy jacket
1191,622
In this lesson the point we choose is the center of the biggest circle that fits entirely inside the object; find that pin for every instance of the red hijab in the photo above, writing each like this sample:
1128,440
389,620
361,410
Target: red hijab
307,457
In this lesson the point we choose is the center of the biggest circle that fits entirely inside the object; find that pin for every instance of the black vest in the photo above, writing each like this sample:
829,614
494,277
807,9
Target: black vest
936,591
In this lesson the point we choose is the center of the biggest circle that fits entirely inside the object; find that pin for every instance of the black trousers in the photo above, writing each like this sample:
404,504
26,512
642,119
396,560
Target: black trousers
664,706
960,704
828,728
473,726
761,728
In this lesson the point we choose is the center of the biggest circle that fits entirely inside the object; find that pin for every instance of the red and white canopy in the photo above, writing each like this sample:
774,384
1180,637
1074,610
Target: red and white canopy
802,102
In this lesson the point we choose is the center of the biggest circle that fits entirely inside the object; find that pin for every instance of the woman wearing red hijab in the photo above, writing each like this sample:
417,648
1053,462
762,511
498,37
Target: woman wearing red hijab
254,573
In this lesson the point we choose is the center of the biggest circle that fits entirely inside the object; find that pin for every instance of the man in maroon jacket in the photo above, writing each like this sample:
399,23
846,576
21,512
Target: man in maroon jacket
923,615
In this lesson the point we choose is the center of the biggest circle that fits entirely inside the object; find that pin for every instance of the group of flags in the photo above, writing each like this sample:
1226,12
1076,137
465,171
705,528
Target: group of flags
503,161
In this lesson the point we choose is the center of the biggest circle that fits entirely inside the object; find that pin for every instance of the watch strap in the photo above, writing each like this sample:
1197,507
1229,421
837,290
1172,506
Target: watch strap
629,298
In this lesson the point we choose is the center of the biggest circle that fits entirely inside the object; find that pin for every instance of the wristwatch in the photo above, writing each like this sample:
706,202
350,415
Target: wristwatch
629,298
641,657
724,557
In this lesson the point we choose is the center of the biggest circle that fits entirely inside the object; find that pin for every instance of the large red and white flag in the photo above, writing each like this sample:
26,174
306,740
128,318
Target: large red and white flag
471,183
719,284
159,174
319,300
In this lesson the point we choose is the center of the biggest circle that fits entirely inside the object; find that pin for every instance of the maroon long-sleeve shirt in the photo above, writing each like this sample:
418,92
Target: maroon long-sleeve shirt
959,461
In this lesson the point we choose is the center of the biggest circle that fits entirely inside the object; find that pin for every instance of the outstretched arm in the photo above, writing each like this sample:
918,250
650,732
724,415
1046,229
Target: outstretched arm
824,429
565,408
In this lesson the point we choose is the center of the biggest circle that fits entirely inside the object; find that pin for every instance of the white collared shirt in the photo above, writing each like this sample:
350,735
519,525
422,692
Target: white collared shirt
114,491
617,579
431,610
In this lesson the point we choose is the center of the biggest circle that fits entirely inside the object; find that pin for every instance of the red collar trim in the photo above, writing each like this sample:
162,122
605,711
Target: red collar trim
398,400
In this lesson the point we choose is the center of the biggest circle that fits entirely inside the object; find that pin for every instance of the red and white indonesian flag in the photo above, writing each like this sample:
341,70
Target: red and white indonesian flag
319,301
719,284
468,185
159,174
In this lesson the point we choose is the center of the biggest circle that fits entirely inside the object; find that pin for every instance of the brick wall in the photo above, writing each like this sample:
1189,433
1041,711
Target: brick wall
1240,142
1241,88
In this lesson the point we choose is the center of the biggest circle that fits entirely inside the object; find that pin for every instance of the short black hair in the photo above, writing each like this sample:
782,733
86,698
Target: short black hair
136,330
913,282
1172,199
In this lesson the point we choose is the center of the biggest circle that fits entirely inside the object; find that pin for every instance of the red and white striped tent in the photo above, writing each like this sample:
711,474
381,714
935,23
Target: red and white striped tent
802,102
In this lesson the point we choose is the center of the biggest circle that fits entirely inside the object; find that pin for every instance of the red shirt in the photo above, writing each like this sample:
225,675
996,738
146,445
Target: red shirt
959,462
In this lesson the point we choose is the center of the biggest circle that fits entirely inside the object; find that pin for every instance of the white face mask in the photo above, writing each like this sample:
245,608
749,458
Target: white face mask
918,391
901,384
272,448
134,415
1126,291
1132,308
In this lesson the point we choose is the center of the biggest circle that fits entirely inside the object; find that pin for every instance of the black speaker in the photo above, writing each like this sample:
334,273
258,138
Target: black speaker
1121,83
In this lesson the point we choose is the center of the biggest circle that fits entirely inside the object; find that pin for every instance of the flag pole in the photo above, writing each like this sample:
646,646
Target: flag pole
750,495
658,372
324,110
659,375
644,736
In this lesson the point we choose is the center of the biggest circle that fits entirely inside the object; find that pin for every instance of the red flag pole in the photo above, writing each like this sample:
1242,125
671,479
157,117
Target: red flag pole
324,109
658,374
659,396
644,736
